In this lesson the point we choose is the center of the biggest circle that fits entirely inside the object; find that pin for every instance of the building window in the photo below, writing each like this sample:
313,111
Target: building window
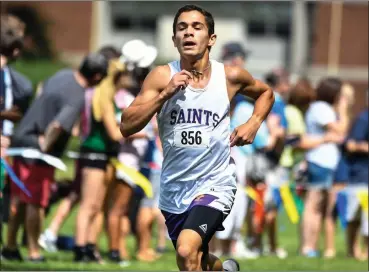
122,23
256,28
129,15
283,29
134,23
148,23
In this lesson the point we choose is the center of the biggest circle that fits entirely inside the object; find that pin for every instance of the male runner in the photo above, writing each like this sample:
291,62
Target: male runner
191,98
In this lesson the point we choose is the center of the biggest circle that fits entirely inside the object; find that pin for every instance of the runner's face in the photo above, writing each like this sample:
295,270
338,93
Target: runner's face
191,37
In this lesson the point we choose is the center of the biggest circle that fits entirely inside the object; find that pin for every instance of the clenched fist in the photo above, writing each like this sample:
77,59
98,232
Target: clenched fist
245,134
178,81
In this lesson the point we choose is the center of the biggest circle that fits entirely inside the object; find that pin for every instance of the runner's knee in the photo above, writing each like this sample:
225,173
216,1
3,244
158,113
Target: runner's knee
184,251
187,257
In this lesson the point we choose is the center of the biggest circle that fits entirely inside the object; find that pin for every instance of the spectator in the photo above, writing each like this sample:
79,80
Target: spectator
293,157
322,160
300,98
47,126
15,94
100,142
277,175
233,53
49,237
357,148
277,120
346,100
130,152
15,89
229,241
149,208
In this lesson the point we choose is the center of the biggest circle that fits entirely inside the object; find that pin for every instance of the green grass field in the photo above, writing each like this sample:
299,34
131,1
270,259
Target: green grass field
38,71
288,238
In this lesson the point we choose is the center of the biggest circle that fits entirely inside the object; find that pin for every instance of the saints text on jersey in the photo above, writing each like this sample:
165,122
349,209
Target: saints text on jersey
194,116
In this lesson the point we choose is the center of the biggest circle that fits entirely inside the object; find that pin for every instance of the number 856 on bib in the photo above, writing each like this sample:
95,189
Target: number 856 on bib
191,138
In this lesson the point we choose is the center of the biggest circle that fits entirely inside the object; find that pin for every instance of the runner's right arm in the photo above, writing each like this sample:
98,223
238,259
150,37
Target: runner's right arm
156,90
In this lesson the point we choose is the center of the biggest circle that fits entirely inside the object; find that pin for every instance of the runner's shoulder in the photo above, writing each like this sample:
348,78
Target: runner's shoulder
159,77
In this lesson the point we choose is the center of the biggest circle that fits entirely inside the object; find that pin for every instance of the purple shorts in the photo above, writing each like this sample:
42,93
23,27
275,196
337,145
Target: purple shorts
206,220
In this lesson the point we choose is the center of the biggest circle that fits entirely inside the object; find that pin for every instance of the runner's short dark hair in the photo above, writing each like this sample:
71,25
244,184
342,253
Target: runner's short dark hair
187,8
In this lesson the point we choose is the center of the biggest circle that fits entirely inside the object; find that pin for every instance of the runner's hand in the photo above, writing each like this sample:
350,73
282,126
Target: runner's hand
179,81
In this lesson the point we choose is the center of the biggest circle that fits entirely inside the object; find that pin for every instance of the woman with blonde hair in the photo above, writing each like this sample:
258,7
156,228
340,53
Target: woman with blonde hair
121,189
100,142
49,237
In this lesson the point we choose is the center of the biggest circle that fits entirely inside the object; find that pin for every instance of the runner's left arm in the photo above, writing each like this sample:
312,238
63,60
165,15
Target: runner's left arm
245,84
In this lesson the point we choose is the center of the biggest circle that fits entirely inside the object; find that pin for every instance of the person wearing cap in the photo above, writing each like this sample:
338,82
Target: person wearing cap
234,53
138,58
229,241
101,136
49,237
276,175
46,127
148,211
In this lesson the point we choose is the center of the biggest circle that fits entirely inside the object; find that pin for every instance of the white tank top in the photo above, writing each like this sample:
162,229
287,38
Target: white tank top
194,128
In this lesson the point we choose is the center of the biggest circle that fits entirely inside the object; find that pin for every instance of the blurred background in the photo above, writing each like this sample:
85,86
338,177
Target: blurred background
307,39
312,38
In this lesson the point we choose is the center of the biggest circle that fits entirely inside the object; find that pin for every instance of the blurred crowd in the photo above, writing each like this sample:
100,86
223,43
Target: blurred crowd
310,148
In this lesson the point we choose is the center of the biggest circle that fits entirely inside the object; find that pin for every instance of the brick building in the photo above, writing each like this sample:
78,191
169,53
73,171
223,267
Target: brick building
342,49
69,24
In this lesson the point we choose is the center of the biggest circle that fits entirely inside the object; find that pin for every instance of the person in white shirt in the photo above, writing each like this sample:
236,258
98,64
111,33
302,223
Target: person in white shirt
322,160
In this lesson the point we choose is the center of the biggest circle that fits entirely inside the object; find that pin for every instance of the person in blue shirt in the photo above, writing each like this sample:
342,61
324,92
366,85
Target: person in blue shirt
242,109
245,168
276,175
235,54
279,81
357,148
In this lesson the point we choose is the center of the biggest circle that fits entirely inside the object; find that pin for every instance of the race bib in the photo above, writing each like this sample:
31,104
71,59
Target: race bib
191,138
